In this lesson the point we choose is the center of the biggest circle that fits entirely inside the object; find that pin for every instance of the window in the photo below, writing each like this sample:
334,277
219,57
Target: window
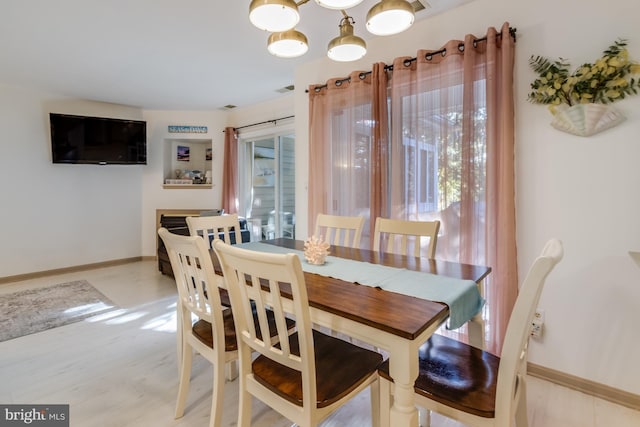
267,185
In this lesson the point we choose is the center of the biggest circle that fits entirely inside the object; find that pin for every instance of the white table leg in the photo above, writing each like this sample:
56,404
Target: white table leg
476,331
231,370
424,417
403,411
404,371
476,325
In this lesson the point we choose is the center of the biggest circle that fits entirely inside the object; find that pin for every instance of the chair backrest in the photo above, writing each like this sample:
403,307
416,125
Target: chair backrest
196,281
397,236
513,360
340,230
254,281
210,227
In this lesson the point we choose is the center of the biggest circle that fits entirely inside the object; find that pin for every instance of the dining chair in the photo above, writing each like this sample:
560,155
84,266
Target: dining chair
400,235
213,333
306,375
472,386
227,226
340,230
211,227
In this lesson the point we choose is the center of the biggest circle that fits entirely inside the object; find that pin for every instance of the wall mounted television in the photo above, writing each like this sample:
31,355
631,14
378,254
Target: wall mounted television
97,140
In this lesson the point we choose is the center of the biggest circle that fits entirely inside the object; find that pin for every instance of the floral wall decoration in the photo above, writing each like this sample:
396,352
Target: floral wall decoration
580,101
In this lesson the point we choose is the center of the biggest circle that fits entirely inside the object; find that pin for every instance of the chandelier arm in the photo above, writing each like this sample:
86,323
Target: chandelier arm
301,2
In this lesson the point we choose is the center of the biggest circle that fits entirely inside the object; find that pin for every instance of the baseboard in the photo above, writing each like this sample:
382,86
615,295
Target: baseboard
74,269
592,388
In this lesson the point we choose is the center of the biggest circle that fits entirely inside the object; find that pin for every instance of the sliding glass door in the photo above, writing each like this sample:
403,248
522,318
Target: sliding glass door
267,185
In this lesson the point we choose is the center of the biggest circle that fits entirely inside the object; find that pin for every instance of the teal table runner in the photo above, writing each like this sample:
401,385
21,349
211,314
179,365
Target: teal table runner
462,296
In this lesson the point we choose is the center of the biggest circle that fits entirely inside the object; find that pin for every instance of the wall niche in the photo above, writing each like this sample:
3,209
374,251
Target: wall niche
187,163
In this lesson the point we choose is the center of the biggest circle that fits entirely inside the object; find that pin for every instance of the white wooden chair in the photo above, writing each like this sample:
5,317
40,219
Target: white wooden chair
340,230
400,235
213,334
210,228
307,375
472,386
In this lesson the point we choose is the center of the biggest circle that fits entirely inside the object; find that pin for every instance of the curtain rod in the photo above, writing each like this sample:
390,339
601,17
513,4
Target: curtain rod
274,121
407,62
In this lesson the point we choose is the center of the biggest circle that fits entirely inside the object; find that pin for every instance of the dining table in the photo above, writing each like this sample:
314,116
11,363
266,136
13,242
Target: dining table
384,317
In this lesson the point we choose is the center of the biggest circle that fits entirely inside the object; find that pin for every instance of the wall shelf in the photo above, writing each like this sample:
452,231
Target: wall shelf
187,186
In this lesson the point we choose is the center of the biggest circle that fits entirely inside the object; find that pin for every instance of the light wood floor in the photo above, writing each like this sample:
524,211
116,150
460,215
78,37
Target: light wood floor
120,369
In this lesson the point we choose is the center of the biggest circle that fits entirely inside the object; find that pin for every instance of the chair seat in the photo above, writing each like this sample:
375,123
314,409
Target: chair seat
457,375
202,330
340,368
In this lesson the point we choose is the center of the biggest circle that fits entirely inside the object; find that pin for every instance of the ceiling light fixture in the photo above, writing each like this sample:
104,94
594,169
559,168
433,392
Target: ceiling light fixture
281,16
274,15
338,4
346,47
287,44
390,17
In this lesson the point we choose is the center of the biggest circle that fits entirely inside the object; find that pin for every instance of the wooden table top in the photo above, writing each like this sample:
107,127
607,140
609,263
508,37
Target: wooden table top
398,314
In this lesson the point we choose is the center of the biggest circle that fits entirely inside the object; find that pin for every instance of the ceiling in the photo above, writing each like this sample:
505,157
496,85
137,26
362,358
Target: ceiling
160,54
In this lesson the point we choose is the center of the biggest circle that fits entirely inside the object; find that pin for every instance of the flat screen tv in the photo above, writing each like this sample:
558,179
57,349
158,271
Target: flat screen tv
97,140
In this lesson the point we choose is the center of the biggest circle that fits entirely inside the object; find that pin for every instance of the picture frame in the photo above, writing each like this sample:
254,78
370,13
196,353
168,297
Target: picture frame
183,153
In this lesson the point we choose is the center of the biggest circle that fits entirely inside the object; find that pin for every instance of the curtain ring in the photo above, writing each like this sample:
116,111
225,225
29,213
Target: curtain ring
428,57
338,83
407,62
475,43
362,75
461,46
444,52
317,89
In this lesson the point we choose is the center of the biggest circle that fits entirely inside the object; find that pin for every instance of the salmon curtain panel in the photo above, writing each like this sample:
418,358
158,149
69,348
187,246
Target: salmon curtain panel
443,149
230,171
347,147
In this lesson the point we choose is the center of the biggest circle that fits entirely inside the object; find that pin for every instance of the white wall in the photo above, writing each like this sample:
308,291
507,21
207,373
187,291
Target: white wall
277,108
57,215
154,196
581,190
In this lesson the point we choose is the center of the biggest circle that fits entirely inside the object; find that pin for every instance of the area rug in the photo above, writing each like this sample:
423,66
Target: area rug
35,310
